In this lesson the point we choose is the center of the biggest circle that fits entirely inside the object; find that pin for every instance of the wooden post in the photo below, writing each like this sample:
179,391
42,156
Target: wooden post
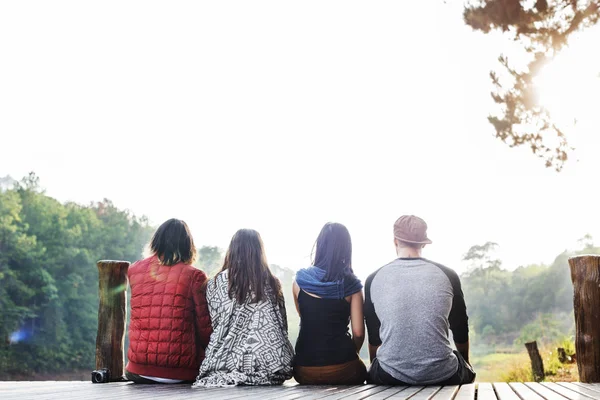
537,365
563,358
585,274
112,313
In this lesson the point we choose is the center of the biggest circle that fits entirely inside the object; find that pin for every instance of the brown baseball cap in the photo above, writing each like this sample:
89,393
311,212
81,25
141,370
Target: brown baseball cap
411,229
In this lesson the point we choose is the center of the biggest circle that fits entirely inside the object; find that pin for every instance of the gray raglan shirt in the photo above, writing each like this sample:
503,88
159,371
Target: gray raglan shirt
410,305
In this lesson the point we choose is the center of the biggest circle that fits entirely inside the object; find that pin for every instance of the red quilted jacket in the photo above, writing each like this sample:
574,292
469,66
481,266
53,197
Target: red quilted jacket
170,325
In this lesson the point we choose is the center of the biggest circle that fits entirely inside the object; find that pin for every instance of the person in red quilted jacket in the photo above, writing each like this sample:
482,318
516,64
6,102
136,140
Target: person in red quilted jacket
170,325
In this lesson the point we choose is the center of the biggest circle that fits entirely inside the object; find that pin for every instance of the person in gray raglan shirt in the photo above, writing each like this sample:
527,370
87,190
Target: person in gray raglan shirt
410,306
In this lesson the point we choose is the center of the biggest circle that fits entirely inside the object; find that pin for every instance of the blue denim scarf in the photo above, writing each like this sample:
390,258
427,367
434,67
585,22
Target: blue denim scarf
311,280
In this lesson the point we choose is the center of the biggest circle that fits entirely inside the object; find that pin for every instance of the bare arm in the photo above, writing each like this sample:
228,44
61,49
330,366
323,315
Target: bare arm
357,320
463,349
295,292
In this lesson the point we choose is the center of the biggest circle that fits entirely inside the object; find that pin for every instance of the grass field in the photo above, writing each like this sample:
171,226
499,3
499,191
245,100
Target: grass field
512,365
494,366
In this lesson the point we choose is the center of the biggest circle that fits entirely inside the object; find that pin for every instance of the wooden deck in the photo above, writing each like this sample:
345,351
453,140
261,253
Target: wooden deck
127,391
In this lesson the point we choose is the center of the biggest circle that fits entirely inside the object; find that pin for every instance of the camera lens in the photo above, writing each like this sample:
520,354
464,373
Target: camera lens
97,377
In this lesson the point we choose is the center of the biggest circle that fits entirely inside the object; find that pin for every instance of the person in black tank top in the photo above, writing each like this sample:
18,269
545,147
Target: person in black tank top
328,298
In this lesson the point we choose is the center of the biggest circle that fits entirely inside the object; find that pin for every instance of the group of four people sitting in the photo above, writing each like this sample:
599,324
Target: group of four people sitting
232,329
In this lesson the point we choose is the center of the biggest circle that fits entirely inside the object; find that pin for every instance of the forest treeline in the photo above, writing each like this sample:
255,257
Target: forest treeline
533,302
48,277
49,282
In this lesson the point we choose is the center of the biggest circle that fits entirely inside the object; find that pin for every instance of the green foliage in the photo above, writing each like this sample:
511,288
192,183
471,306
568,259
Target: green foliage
509,308
567,343
544,329
542,28
530,303
48,277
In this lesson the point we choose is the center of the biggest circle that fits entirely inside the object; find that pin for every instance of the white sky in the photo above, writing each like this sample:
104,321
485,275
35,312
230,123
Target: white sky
281,116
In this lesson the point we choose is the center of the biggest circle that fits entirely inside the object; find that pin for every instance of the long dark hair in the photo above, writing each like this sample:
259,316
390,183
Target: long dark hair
334,252
172,243
248,268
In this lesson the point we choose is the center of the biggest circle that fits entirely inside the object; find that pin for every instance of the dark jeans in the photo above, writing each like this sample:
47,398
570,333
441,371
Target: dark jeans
135,378
464,374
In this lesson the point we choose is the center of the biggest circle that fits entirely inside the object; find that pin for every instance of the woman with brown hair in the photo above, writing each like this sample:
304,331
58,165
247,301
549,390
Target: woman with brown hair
249,345
170,325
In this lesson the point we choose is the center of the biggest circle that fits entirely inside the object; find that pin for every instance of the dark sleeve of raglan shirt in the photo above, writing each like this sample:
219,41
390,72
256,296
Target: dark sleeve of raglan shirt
371,319
458,319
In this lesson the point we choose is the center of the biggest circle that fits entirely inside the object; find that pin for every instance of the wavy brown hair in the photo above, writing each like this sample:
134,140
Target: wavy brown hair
249,272
172,243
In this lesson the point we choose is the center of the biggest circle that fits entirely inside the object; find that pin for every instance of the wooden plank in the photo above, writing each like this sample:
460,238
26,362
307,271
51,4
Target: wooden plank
129,391
485,391
48,391
505,392
60,392
301,392
336,393
413,391
238,392
356,390
524,392
567,392
466,392
186,395
243,392
426,393
595,394
591,386
366,394
544,391
386,394
41,386
281,393
447,393
185,392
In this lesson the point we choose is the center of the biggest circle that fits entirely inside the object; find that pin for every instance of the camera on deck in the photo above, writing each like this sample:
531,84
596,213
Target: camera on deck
100,376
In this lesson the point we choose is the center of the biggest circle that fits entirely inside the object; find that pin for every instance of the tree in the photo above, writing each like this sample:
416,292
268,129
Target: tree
543,28
586,242
48,277
480,257
210,259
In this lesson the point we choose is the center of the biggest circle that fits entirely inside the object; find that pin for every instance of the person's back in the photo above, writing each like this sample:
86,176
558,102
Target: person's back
328,298
412,299
324,338
410,306
249,345
170,324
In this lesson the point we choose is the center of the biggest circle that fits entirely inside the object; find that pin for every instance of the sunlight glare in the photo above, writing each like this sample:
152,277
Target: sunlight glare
569,86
